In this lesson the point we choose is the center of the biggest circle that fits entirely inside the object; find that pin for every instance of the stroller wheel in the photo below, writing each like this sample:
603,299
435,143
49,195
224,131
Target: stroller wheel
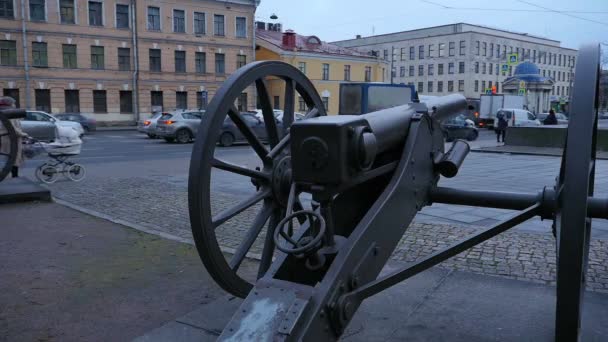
47,174
76,172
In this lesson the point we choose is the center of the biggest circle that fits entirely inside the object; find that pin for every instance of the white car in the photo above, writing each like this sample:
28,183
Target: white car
39,117
517,117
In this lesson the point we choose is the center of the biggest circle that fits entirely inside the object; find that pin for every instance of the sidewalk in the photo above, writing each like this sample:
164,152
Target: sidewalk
530,150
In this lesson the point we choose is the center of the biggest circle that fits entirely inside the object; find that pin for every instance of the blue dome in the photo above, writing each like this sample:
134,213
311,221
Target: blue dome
526,68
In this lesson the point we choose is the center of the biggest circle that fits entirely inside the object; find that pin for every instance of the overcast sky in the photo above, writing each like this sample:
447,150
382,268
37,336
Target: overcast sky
342,19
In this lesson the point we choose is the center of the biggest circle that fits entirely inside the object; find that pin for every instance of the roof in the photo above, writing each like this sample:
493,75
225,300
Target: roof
527,68
307,44
527,72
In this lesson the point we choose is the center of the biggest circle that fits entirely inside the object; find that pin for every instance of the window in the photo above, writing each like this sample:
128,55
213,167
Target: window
201,99
490,68
43,100
368,74
429,87
241,27
200,62
483,86
452,49
180,61
301,104
421,52
302,67
153,18
385,54
491,50
421,70
218,24
326,103
179,21
450,86
95,13
124,59
431,70
220,63
402,71
72,101
155,61
497,50
347,72
66,11
181,100
8,52
485,49
402,54
477,67
241,60
497,68
242,102
461,67
462,48
451,68
325,71
483,68
431,50
37,10
461,85
440,69
440,86
97,58
477,47
411,73
476,85
156,100
69,56
442,50
6,9
39,55
100,103
126,101
489,84
122,16
199,23
412,53
420,87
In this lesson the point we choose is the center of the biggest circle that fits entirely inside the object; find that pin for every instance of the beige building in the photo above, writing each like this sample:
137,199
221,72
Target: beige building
92,56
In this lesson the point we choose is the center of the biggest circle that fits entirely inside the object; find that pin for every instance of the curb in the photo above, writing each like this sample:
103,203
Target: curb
529,153
118,128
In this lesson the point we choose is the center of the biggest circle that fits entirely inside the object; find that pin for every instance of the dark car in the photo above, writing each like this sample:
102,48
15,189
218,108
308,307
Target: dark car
231,134
458,128
88,123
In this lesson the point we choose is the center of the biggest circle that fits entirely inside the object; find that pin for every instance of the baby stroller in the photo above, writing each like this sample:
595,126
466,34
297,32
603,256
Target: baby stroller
60,151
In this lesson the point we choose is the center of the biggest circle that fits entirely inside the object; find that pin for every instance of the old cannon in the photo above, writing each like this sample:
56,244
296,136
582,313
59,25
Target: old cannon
334,194
8,140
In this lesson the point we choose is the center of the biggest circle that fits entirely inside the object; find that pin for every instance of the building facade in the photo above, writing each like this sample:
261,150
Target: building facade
466,59
121,59
326,65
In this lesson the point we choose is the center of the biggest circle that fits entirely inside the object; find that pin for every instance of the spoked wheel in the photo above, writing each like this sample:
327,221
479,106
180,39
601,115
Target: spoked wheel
574,185
8,147
239,225
75,172
47,173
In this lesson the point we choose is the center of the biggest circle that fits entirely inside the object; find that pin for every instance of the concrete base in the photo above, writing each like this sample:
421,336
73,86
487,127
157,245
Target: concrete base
437,305
548,136
22,190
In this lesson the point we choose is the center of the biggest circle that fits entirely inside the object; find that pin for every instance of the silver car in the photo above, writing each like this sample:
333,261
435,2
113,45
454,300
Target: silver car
180,126
148,126
42,126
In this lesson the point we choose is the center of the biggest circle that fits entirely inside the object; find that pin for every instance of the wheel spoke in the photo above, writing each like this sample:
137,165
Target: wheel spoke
253,140
280,146
241,170
230,213
269,120
252,234
313,113
268,250
290,106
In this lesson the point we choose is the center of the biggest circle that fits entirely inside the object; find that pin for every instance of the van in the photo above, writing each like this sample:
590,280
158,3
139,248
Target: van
517,117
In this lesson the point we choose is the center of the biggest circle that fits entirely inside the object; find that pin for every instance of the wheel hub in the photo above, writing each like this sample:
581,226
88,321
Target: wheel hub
281,180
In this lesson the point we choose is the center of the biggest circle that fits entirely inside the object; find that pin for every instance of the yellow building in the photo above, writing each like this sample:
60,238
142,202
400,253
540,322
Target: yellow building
326,65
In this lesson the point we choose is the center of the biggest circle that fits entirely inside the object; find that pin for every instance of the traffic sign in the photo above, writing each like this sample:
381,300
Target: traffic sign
512,58
522,85
521,92
488,91
505,68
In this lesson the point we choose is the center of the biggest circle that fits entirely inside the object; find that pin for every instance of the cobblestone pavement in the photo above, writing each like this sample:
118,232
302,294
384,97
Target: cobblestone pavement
163,206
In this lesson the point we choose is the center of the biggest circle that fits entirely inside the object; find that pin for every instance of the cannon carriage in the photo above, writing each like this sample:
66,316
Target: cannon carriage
334,195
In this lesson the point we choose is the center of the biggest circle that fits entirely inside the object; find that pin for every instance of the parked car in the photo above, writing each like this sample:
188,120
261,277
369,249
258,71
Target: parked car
180,126
231,134
278,114
517,117
148,126
459,128
561,118
43,126
88,122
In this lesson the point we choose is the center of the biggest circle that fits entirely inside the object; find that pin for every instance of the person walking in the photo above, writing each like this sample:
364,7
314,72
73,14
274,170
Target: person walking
551,119
501,127
5,147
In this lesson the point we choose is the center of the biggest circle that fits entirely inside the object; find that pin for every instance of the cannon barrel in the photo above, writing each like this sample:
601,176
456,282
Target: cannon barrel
443,107
13,113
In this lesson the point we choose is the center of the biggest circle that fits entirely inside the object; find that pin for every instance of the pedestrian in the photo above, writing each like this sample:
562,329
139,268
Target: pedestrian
501,127
5,147
551,119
